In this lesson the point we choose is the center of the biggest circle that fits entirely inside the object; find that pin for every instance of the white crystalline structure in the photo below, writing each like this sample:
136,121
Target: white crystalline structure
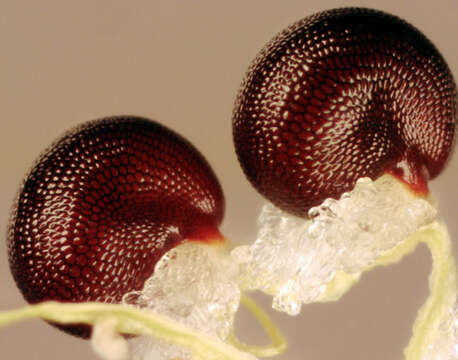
195,284
294,259
445,343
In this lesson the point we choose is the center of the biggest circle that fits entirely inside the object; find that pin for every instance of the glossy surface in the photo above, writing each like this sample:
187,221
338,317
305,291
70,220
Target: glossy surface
129,58
340,95
103,204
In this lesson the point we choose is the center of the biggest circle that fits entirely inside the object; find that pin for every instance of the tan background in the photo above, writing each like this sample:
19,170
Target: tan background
181,62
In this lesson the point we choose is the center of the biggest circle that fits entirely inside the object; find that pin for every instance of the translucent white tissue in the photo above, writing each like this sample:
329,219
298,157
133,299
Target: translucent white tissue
293,258
195,284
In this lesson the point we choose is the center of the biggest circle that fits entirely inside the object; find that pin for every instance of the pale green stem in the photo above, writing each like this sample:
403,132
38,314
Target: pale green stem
442,283
443,292
279,342
130,320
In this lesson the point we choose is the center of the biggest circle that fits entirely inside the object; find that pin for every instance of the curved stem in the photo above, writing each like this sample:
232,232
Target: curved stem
442,283
443,292
130,320
279,342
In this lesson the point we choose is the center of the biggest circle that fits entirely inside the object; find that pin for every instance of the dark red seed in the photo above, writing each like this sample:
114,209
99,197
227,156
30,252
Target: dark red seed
340,95
102,205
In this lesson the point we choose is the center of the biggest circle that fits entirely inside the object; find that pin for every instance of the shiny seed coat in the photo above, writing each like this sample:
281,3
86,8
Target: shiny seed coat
340,95
102,205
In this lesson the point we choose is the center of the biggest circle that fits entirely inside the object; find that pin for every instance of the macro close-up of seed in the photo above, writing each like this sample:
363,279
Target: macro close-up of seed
103,205
341,95
179,176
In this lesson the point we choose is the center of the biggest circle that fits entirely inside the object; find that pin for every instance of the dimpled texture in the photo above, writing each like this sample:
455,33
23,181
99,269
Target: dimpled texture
340,95
102,205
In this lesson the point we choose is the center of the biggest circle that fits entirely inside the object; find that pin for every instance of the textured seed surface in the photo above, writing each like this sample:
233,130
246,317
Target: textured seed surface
102,205
340,95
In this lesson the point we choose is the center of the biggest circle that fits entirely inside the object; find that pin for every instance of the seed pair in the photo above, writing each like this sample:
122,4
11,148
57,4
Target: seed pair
340,95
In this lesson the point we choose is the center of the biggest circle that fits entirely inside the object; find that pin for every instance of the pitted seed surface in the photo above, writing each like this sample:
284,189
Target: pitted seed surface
103,204
343,94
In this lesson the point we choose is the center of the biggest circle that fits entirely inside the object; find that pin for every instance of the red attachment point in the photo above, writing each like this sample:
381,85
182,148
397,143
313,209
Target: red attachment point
412,171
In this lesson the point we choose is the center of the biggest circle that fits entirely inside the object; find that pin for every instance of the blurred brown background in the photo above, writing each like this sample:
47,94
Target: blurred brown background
181,62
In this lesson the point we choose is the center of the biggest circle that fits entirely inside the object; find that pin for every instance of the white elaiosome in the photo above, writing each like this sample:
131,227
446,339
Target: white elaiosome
294,259
195,284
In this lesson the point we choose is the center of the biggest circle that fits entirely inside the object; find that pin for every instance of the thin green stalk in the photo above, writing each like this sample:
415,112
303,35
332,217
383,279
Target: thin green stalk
279,343
443,292
442,283
129,320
